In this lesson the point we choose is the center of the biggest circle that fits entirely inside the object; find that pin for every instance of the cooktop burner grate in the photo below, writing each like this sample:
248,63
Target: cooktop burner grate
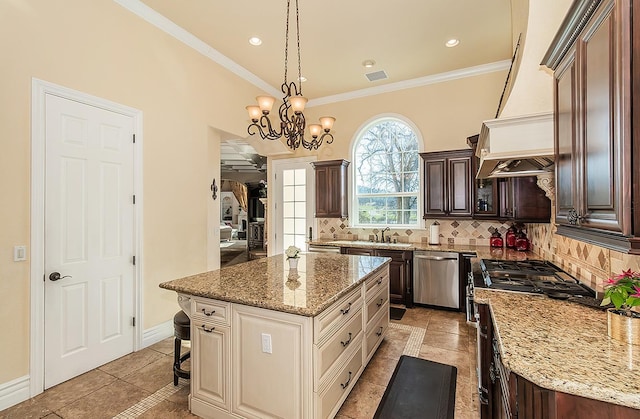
537,276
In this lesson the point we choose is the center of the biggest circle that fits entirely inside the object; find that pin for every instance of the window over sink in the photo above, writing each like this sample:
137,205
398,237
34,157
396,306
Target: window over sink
386,174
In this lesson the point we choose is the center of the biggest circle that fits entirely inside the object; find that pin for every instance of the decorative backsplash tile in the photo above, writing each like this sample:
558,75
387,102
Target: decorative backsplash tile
451,231
592,263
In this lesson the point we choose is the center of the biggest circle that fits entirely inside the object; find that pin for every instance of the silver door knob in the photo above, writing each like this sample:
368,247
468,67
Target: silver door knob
54,276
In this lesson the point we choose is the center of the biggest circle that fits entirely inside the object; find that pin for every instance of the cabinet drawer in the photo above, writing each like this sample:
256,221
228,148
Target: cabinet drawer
375,304
210,310
329,352
330,399
336,315
376,331
374,284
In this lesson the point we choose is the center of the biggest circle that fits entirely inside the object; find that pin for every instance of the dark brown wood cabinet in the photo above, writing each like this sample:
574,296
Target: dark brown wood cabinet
447,179
594,61
485,191
400,271
522,200
504,394
331,188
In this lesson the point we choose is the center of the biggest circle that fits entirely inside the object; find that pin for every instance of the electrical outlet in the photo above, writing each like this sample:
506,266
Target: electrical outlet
266,343
19,253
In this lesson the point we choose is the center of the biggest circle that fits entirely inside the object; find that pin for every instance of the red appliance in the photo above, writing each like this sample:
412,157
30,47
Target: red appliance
522,242
510,237
496,239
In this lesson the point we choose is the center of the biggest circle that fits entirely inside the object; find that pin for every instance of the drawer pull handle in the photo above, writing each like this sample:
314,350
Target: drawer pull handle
379,280
348,341
345,385
209,314
346,310
379,333
208,330
380,303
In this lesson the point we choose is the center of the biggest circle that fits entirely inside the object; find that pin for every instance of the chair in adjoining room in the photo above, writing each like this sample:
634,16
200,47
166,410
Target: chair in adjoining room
182,331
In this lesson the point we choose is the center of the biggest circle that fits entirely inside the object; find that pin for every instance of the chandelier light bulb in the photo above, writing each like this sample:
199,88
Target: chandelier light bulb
298,103
254,112
265,103
315,130
327,122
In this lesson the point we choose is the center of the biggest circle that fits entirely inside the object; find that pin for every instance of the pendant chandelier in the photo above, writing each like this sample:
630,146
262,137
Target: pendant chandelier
292,121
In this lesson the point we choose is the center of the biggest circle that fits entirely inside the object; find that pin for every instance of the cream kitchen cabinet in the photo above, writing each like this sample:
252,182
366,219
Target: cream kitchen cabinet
251,362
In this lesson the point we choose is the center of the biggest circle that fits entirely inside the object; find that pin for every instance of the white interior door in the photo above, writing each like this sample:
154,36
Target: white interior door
294,196
89,238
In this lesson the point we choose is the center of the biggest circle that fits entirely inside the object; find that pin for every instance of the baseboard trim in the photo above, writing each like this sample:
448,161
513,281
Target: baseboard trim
14,392
157,333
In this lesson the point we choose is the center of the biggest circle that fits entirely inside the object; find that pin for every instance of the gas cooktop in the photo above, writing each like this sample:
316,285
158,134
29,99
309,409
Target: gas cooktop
533,276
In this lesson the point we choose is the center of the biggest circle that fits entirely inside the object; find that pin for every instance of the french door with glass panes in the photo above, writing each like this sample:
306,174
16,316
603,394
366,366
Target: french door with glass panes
293,195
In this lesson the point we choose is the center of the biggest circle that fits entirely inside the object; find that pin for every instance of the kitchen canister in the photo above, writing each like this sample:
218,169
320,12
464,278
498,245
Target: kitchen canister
434,233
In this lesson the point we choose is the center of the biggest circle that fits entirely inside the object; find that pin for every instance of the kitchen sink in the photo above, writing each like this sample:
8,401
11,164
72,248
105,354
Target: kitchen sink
368,244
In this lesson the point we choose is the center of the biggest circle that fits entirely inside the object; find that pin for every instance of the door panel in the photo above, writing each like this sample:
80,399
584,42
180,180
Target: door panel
88,238
566,137
601,139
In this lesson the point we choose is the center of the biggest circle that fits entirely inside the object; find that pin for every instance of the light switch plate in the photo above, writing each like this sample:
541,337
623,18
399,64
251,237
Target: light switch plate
19,253
266,343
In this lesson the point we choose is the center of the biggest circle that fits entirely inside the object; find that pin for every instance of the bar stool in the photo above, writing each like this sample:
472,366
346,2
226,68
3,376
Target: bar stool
182,331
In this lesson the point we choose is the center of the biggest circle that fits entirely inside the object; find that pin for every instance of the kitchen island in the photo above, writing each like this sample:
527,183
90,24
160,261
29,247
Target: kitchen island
540,357
269,341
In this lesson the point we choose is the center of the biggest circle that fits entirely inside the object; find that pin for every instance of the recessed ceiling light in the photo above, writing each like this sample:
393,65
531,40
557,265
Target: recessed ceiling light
254,40
368,63
452,43
303,79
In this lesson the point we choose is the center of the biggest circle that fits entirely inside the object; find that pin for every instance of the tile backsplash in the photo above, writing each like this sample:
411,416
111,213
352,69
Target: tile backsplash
472,232
592,263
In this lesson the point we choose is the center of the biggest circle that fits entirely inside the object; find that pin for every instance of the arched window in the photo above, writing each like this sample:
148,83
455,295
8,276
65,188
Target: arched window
386,174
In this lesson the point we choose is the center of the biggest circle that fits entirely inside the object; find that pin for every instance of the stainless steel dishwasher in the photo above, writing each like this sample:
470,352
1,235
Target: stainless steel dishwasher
435,278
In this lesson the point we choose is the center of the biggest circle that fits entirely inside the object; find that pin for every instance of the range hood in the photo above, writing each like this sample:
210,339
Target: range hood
516,146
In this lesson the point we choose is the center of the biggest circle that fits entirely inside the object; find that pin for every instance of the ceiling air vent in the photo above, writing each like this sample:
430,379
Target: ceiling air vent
377,75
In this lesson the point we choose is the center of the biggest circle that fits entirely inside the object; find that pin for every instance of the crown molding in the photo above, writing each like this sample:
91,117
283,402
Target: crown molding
409,84
156,19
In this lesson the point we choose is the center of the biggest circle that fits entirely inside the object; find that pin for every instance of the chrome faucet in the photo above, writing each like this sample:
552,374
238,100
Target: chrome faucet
383,230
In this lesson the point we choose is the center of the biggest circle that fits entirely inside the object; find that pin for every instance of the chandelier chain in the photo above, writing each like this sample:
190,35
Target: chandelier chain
286,44
292,122
298,38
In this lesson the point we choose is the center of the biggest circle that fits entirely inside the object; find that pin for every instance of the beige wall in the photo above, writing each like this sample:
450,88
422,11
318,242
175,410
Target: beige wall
101,49
444,113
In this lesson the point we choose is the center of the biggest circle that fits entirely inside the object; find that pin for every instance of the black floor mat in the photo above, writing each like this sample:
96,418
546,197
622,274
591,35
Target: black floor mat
396,313
419,389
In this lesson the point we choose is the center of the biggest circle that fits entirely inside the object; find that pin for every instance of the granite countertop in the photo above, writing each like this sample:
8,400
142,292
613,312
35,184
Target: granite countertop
482,252
563,346
320,280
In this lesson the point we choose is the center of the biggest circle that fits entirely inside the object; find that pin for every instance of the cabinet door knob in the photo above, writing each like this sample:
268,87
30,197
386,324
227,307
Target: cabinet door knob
348,341
346,310
345,385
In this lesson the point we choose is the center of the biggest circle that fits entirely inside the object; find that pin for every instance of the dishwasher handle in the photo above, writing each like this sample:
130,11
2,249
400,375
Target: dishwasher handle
433,257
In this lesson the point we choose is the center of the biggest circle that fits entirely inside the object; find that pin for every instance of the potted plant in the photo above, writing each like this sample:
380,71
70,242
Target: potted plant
292,253
623,291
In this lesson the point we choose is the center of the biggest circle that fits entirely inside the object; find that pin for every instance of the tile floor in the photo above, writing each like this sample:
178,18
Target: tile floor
140,384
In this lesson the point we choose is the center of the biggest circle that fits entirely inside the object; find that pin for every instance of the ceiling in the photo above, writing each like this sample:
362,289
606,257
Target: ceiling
405,38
